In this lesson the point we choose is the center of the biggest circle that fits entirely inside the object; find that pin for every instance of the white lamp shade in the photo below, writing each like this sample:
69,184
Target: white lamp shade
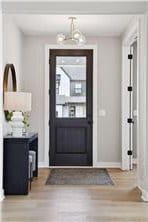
17,101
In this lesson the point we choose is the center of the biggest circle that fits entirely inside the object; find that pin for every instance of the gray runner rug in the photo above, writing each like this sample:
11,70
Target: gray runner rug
79,176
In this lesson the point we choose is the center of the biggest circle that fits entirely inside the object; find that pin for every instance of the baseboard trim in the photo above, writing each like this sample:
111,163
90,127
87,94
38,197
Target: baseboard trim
144,195
109,165
43,165
98,164
2,195
135,161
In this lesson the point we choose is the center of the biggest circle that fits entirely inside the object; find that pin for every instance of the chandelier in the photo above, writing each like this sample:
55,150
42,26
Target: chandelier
75,37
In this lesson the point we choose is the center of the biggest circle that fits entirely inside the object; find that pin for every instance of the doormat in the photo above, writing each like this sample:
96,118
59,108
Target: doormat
79,176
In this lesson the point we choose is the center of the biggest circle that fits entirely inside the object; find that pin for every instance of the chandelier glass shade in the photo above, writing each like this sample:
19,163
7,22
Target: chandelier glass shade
75,36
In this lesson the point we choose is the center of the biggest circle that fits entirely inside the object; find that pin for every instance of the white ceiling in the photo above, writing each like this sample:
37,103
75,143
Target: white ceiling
90,25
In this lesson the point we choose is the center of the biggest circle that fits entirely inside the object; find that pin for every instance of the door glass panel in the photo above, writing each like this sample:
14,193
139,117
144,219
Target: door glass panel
71,87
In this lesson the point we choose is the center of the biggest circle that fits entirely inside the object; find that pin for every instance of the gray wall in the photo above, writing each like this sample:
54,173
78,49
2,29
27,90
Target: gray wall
13,46
109,91
12,52
109,84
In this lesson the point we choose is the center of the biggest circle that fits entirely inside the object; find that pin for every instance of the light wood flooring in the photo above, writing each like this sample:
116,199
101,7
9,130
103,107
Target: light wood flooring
120,202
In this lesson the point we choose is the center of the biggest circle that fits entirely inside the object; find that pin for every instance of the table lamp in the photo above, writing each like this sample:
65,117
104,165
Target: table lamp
17,102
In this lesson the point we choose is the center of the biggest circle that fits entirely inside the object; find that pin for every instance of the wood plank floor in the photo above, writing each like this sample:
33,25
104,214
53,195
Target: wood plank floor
120,202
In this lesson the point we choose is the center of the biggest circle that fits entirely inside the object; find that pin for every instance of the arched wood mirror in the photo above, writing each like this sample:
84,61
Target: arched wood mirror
9,81
9,84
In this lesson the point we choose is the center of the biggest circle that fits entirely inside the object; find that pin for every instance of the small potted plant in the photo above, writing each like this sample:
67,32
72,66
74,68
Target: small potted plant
26,122
8,116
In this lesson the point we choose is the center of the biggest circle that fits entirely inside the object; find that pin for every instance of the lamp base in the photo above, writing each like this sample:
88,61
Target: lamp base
17,132
17,124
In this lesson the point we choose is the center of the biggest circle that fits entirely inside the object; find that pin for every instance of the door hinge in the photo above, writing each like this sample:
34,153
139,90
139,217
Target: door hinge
49,61
49,123
130,88
129,152
130,120
130,56
49,91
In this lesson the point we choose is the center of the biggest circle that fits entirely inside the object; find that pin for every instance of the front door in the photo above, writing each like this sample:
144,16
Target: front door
71,74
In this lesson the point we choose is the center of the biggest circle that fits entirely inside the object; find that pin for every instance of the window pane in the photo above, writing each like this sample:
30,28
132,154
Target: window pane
70,87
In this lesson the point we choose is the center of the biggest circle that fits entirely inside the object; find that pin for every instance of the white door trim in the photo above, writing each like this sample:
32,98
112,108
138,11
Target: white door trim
128,39
95,99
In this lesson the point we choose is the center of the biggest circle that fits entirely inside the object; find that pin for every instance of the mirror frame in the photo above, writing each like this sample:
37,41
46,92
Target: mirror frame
8,67
6,75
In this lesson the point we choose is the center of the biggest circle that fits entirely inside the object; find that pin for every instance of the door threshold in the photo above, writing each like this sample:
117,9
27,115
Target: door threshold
71,167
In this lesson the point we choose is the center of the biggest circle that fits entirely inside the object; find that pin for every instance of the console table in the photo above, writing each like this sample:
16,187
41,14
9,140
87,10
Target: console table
16,163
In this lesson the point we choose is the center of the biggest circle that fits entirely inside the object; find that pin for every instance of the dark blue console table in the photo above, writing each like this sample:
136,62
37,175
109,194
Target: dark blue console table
16,165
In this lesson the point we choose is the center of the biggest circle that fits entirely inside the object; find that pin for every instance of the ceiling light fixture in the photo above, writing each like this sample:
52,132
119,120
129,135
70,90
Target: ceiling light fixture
75,37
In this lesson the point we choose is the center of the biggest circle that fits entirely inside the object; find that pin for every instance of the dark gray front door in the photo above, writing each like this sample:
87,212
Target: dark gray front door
71,74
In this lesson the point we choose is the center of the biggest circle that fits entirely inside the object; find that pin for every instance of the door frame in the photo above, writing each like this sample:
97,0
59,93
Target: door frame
71,155
127,41
95,147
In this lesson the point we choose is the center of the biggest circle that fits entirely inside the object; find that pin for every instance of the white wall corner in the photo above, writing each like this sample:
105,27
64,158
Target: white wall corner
2,195
142,109
109,165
